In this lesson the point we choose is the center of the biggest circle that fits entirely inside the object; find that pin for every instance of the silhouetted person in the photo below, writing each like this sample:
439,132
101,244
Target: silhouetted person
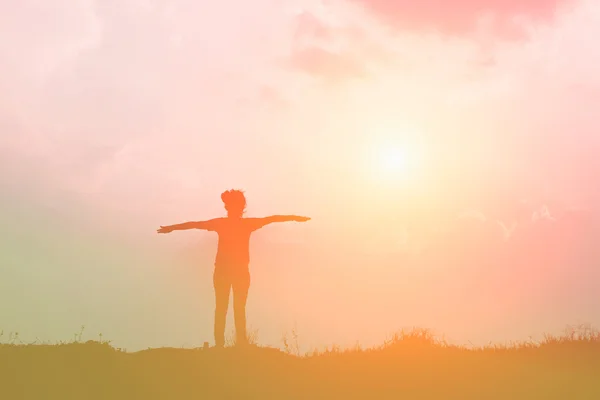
232,260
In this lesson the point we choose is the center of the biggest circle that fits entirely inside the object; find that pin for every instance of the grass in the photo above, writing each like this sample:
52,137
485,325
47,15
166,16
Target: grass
409,365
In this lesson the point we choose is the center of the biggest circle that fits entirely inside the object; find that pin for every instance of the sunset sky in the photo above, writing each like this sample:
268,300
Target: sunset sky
117,117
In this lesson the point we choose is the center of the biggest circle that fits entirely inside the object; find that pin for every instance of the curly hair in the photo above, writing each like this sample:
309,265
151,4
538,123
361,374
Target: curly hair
234,201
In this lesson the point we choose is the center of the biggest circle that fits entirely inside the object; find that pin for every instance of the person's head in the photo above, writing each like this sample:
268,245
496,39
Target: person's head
235,203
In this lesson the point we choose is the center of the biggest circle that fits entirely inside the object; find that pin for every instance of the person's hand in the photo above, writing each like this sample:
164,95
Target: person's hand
301,219
164,229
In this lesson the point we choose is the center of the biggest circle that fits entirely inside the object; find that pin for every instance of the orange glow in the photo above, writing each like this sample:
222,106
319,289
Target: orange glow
450,173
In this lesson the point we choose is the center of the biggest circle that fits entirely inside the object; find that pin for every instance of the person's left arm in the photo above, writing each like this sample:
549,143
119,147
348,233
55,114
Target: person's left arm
257,223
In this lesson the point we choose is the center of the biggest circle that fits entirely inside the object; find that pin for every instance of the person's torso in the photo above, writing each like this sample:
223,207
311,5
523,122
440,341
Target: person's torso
233,250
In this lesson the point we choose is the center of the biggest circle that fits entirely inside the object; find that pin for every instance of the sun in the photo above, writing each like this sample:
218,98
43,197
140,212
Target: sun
394,158
392,163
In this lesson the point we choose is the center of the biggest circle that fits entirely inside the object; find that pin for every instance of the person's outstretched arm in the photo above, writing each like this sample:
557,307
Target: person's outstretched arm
260,222
209,225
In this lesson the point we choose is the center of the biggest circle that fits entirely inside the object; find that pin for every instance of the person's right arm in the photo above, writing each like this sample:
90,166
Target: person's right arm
209,225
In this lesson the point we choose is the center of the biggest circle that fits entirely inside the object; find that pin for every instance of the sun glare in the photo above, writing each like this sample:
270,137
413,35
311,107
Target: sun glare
394,156
392,163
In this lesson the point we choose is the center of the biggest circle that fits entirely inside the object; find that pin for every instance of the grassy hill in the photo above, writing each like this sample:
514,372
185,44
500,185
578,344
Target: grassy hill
410,365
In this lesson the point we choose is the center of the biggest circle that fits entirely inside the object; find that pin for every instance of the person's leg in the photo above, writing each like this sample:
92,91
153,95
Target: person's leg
222,291
240,295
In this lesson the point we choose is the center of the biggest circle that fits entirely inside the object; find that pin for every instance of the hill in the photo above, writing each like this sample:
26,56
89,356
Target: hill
409,366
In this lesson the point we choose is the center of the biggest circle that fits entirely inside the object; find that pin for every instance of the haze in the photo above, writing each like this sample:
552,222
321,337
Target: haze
119,117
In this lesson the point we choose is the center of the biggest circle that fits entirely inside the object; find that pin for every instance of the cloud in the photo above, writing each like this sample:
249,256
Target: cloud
308,25
542,214
320,62
462,17
122,84
319,49
266,95
507,231
93,92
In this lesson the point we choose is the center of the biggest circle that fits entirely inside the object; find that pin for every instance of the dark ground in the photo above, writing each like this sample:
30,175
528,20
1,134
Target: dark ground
404,368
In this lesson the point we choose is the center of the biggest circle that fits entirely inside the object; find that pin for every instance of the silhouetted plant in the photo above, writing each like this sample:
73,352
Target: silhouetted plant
290,345
251,337
77,336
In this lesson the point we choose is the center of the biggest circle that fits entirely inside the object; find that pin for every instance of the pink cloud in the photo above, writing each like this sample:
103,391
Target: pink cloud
307,24
460,17
311,40
317,61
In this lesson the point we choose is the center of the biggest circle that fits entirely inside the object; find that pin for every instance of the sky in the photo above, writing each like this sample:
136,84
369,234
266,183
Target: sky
119,117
